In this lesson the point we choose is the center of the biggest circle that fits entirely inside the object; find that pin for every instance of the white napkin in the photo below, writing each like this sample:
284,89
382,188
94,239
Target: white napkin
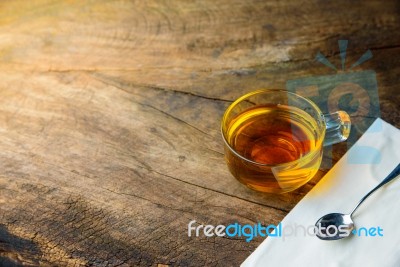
367,163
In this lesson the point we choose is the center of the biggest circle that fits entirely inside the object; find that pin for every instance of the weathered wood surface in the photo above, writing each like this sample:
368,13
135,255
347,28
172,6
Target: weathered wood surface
110,112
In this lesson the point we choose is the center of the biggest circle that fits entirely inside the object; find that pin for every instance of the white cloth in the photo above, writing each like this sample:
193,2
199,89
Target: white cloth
367,163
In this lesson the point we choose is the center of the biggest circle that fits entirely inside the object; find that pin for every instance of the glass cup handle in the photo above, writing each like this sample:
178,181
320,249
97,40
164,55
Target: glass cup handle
338,126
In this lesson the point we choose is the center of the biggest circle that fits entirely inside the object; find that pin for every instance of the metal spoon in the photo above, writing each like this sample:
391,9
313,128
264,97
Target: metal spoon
334,226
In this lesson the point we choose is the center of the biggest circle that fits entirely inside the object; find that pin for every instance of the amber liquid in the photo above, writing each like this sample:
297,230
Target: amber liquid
270,135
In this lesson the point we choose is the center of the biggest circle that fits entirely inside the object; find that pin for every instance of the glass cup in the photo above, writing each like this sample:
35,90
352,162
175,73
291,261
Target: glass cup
274,139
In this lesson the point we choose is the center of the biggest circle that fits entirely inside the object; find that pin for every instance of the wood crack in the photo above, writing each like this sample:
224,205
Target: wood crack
157,109
192,184
146,199
172,116
220,192
109,81
215,151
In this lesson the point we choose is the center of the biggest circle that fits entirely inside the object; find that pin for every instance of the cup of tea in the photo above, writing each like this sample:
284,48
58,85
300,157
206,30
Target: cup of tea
274,139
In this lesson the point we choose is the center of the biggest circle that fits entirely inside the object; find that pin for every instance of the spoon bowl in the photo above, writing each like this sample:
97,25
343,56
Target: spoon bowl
334,226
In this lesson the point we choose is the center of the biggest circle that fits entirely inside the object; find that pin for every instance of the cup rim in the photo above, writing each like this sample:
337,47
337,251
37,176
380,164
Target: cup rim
259,91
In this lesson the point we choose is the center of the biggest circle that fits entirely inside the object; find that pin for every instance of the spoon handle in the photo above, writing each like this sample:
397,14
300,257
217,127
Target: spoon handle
389,178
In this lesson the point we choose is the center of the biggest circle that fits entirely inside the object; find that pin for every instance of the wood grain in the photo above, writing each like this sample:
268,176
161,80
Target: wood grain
110,112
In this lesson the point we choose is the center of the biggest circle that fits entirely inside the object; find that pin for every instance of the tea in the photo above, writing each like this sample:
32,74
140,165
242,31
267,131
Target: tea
271,135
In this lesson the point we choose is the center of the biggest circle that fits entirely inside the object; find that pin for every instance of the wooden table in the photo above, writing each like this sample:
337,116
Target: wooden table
110,113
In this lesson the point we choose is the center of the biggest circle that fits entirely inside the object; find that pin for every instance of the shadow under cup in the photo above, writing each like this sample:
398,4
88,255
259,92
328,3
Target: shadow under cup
274,139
